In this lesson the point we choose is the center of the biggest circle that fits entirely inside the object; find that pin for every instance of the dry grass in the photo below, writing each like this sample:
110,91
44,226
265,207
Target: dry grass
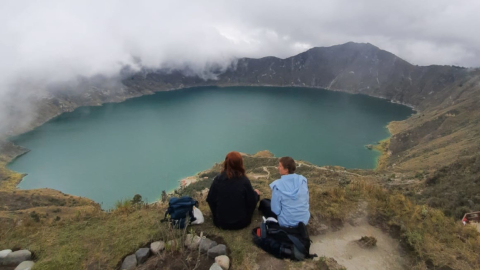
99,240
433,237
383,148
8,178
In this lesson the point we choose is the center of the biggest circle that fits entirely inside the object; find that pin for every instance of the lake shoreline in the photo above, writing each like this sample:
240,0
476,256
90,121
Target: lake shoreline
217,86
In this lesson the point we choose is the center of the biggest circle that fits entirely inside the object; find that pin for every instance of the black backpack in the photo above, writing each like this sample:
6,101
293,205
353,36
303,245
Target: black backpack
179,209
284,242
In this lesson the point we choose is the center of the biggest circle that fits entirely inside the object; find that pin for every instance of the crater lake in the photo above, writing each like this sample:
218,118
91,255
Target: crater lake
148,144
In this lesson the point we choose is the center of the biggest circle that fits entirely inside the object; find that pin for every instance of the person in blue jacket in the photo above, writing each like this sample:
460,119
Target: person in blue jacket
290,197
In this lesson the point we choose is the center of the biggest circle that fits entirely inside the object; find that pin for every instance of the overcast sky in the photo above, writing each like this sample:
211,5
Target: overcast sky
45,41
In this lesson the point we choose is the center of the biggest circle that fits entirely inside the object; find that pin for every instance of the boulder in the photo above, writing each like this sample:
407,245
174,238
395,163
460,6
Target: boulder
215,266
223,261
217,251
129,263
26,265
192,241
156,247
17,257
142,255
206,244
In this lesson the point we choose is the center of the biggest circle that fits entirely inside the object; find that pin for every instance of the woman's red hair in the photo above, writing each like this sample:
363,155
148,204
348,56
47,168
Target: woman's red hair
233,165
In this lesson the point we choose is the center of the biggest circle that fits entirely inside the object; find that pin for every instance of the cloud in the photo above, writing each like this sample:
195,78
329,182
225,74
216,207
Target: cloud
45,42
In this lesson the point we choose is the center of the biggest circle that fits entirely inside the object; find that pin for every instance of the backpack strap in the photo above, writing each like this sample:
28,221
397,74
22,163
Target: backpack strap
165,218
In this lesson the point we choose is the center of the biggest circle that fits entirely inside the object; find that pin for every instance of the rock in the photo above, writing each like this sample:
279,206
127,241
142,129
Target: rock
142,255
130,262
156,247
188,239
215,266
206,244
3,255
17,257
26,265
192,241
217,251
223,261
367,241
330,264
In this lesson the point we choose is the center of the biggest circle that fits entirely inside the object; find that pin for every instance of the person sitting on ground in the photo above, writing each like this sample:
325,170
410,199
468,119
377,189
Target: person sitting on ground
231,197
290,197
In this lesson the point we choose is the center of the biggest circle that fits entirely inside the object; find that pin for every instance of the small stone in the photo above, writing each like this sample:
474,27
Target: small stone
217,251
26,265
142,255
206,244
188,239
130,262
17,257
156,247
215,266
367,241
192,242
223,261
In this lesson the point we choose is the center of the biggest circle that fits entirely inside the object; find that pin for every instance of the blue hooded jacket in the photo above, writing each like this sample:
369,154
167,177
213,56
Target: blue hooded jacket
290,199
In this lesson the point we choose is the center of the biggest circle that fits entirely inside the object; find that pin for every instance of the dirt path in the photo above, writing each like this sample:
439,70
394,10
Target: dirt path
268,172
330,170
342,246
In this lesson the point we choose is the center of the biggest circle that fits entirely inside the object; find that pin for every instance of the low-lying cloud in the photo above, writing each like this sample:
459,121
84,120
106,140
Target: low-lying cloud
48,42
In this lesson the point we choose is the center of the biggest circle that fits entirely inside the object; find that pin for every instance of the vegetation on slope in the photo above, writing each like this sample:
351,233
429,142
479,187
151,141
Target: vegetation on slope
436,190
99,240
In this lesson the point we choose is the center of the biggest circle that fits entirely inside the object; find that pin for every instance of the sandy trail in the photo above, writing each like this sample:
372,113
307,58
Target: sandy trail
341,245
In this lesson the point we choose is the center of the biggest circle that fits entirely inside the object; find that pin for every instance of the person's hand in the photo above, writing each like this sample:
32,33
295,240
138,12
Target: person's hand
258,192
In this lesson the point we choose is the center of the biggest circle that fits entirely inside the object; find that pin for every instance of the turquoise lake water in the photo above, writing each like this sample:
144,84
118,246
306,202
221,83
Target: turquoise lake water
147,144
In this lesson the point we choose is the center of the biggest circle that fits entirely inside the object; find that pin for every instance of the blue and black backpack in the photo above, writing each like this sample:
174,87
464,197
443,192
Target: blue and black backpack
179,210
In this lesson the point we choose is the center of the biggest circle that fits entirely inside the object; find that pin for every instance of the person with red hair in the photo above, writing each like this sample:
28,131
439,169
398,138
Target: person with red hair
231,197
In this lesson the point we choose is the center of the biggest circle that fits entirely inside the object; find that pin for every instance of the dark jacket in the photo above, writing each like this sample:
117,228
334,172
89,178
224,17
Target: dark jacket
232,202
